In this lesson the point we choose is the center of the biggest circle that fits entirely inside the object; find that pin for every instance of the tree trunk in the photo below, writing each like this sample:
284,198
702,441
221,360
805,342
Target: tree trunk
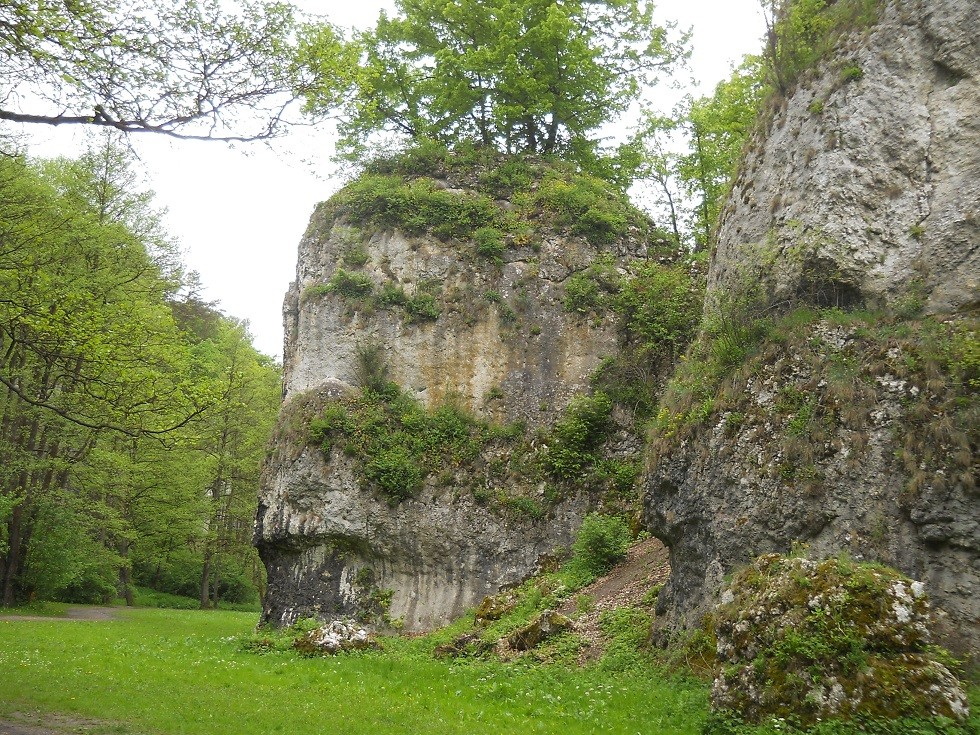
125,575
205,580
13,560
217,581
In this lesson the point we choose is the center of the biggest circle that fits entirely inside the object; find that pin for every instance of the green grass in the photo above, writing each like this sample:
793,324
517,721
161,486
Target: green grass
39,608
145,597
176,671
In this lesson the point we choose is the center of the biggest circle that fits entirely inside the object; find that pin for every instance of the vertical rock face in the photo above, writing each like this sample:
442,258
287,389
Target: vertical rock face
500,327
869,175
489,336
863,191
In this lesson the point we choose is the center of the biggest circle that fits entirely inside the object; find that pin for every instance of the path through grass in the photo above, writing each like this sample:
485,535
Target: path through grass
176,671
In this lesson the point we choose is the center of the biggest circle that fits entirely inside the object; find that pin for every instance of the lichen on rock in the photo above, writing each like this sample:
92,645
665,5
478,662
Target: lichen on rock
830,639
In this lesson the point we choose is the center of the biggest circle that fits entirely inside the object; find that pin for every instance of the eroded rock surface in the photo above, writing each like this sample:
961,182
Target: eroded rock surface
495,341
867,181
862,192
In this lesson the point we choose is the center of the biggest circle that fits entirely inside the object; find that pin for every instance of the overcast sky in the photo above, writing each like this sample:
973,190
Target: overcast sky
239,211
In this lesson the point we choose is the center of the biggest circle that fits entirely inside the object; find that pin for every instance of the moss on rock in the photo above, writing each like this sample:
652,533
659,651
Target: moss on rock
831,639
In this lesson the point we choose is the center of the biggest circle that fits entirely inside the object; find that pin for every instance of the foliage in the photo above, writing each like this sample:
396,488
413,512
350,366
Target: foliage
414,205
398,441
587,204
402,191
801,33
602,541
713,129
489,243
349,285
422,307
65,562
134,415
536,77
186,69
628,632
577,434
658,309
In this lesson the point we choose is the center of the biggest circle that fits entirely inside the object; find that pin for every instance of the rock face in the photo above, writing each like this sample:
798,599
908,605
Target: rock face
868,178
487,335
863,191
501,328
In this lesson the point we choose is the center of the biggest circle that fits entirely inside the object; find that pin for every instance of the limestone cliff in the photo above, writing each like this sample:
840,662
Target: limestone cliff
437,303
868,176
852,431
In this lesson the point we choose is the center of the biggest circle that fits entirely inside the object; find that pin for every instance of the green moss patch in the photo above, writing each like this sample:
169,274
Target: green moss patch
833,639
491,200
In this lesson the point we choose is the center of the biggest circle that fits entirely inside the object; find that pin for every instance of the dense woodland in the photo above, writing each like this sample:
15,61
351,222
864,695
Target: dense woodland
134,414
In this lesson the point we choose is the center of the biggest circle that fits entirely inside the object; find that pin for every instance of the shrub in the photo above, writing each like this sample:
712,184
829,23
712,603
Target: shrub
851,73
600,226
356,257
661,307
65,561
350,285
592,289
396,472
396,441
579,431
585,204
370,368
422,307
601,543
489,243
392,295
505,179
416,206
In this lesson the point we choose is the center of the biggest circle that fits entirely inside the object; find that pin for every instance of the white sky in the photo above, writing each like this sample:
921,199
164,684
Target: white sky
240,211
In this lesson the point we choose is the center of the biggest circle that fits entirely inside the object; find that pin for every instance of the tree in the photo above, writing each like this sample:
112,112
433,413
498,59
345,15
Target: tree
801,32
185,69
717,128
656,166
537,76
230,441
133,415
88,348
690,156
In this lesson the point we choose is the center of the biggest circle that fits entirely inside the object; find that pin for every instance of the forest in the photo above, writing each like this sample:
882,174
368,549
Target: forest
134,414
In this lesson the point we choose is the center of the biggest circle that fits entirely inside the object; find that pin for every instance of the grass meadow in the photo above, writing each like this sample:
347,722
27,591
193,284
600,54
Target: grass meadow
155,671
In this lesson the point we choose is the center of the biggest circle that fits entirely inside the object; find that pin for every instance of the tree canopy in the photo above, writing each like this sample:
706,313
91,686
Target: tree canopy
186,68
132,415
537,76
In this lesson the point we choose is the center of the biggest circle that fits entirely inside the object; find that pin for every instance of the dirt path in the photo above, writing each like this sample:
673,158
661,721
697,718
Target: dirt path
86,612
647,564
36,723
